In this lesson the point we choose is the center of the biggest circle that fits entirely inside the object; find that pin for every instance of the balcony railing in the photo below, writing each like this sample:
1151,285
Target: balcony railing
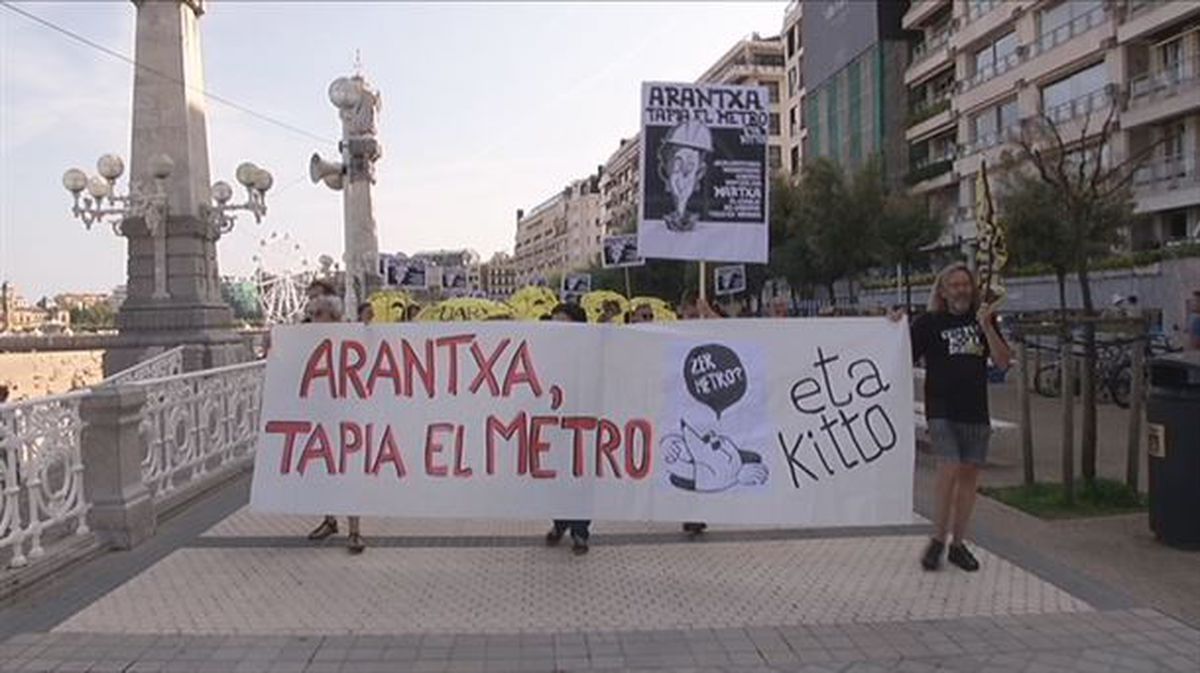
1049,39
1084,105
1148,87
930,167
927,110
994,69
975,10
1170,172
1135,7
991,139
922,50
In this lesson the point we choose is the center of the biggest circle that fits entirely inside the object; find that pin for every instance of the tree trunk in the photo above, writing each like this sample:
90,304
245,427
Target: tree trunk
1087,433
907,270
1061,275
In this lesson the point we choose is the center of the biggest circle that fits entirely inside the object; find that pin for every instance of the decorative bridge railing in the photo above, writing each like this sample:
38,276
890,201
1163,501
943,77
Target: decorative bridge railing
41,475
195,423
167,363
190,431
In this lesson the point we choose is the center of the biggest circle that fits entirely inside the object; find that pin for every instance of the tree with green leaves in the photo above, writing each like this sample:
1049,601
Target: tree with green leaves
99,316
1095,206
1037,227
904,230
838,215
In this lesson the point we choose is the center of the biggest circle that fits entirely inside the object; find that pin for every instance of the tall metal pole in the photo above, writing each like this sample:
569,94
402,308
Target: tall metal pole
358,105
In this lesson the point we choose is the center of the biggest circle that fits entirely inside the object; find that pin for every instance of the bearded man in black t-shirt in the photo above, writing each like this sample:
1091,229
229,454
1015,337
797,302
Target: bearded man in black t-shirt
955,338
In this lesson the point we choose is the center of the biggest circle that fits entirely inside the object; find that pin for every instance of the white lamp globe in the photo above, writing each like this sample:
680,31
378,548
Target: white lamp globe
246,173
110,166
263,180
344,93
161,166
98,187
75,180
222,192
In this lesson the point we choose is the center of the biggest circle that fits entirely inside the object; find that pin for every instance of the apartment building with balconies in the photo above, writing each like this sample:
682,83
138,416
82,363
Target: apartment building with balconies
980,69
1160,45
757,61
793,97
619,183
853,69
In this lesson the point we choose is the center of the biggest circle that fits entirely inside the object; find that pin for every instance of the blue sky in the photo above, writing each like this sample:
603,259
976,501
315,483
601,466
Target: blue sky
487,107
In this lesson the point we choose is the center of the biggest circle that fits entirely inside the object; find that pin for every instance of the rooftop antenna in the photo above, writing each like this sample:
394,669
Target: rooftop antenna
357,63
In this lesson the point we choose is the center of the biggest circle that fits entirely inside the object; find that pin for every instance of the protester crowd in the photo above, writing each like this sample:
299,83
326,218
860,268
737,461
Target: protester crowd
955,337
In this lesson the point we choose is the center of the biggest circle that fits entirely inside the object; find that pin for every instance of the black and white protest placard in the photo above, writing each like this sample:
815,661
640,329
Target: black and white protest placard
730,279
576,284
403,273
454,279
621,250
704,172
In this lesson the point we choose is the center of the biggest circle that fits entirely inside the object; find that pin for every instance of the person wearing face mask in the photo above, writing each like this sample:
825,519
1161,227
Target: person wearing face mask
579,527
955,338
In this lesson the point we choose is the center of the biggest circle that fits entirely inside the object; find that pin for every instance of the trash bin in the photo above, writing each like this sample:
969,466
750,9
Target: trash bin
1173,428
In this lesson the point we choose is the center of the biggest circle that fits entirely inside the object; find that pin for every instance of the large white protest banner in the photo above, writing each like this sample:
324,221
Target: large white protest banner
704,172
800,422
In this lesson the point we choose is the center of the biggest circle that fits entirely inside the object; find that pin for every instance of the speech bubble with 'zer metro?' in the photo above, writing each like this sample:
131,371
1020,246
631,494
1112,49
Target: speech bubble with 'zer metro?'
715,376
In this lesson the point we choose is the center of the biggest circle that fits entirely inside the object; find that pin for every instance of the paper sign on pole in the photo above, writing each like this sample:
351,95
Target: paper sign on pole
576,284
796,422
454,279
704,172
621,250
730,279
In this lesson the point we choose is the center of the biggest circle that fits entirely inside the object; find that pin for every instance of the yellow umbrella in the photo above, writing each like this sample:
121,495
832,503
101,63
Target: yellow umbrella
390,305
593,303
532,302
465,309
662,310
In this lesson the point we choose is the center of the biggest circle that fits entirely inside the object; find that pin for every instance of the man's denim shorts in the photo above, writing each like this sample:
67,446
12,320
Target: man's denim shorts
960,442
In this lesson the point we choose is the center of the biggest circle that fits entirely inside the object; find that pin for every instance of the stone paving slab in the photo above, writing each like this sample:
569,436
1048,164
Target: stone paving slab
1092,642
323,590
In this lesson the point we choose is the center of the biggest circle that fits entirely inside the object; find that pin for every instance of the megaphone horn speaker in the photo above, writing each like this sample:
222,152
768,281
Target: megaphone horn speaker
319,169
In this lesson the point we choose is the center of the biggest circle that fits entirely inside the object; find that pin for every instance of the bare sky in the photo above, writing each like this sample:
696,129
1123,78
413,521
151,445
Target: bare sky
487,107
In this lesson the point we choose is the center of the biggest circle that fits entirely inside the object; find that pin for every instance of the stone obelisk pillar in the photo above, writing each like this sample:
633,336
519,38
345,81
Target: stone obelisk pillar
173,290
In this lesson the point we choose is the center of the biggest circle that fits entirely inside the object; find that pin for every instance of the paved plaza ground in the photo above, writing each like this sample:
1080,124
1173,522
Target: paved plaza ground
221,588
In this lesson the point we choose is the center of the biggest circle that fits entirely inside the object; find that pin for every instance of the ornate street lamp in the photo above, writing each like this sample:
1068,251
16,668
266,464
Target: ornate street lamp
103,203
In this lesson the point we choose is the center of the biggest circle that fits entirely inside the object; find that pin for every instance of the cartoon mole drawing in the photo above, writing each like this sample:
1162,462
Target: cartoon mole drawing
710,462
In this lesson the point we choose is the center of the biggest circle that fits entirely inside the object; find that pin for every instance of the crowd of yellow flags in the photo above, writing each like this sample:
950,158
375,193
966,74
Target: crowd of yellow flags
528,303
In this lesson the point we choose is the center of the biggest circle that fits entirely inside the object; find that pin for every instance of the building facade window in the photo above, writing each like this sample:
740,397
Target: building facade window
773,121
1078,93
996,58
1068,18
791,81
793,128
1169,59
832,111
772,91
775,157
854,107
795,160
989,127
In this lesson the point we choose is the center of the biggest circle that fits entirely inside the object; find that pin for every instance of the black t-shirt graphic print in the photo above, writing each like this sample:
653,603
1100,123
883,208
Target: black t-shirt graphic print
955,351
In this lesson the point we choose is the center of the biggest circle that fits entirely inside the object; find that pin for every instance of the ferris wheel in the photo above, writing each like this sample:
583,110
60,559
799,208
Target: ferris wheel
282,272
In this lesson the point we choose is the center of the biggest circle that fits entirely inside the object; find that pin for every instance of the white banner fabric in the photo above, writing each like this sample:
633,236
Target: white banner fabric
791,422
